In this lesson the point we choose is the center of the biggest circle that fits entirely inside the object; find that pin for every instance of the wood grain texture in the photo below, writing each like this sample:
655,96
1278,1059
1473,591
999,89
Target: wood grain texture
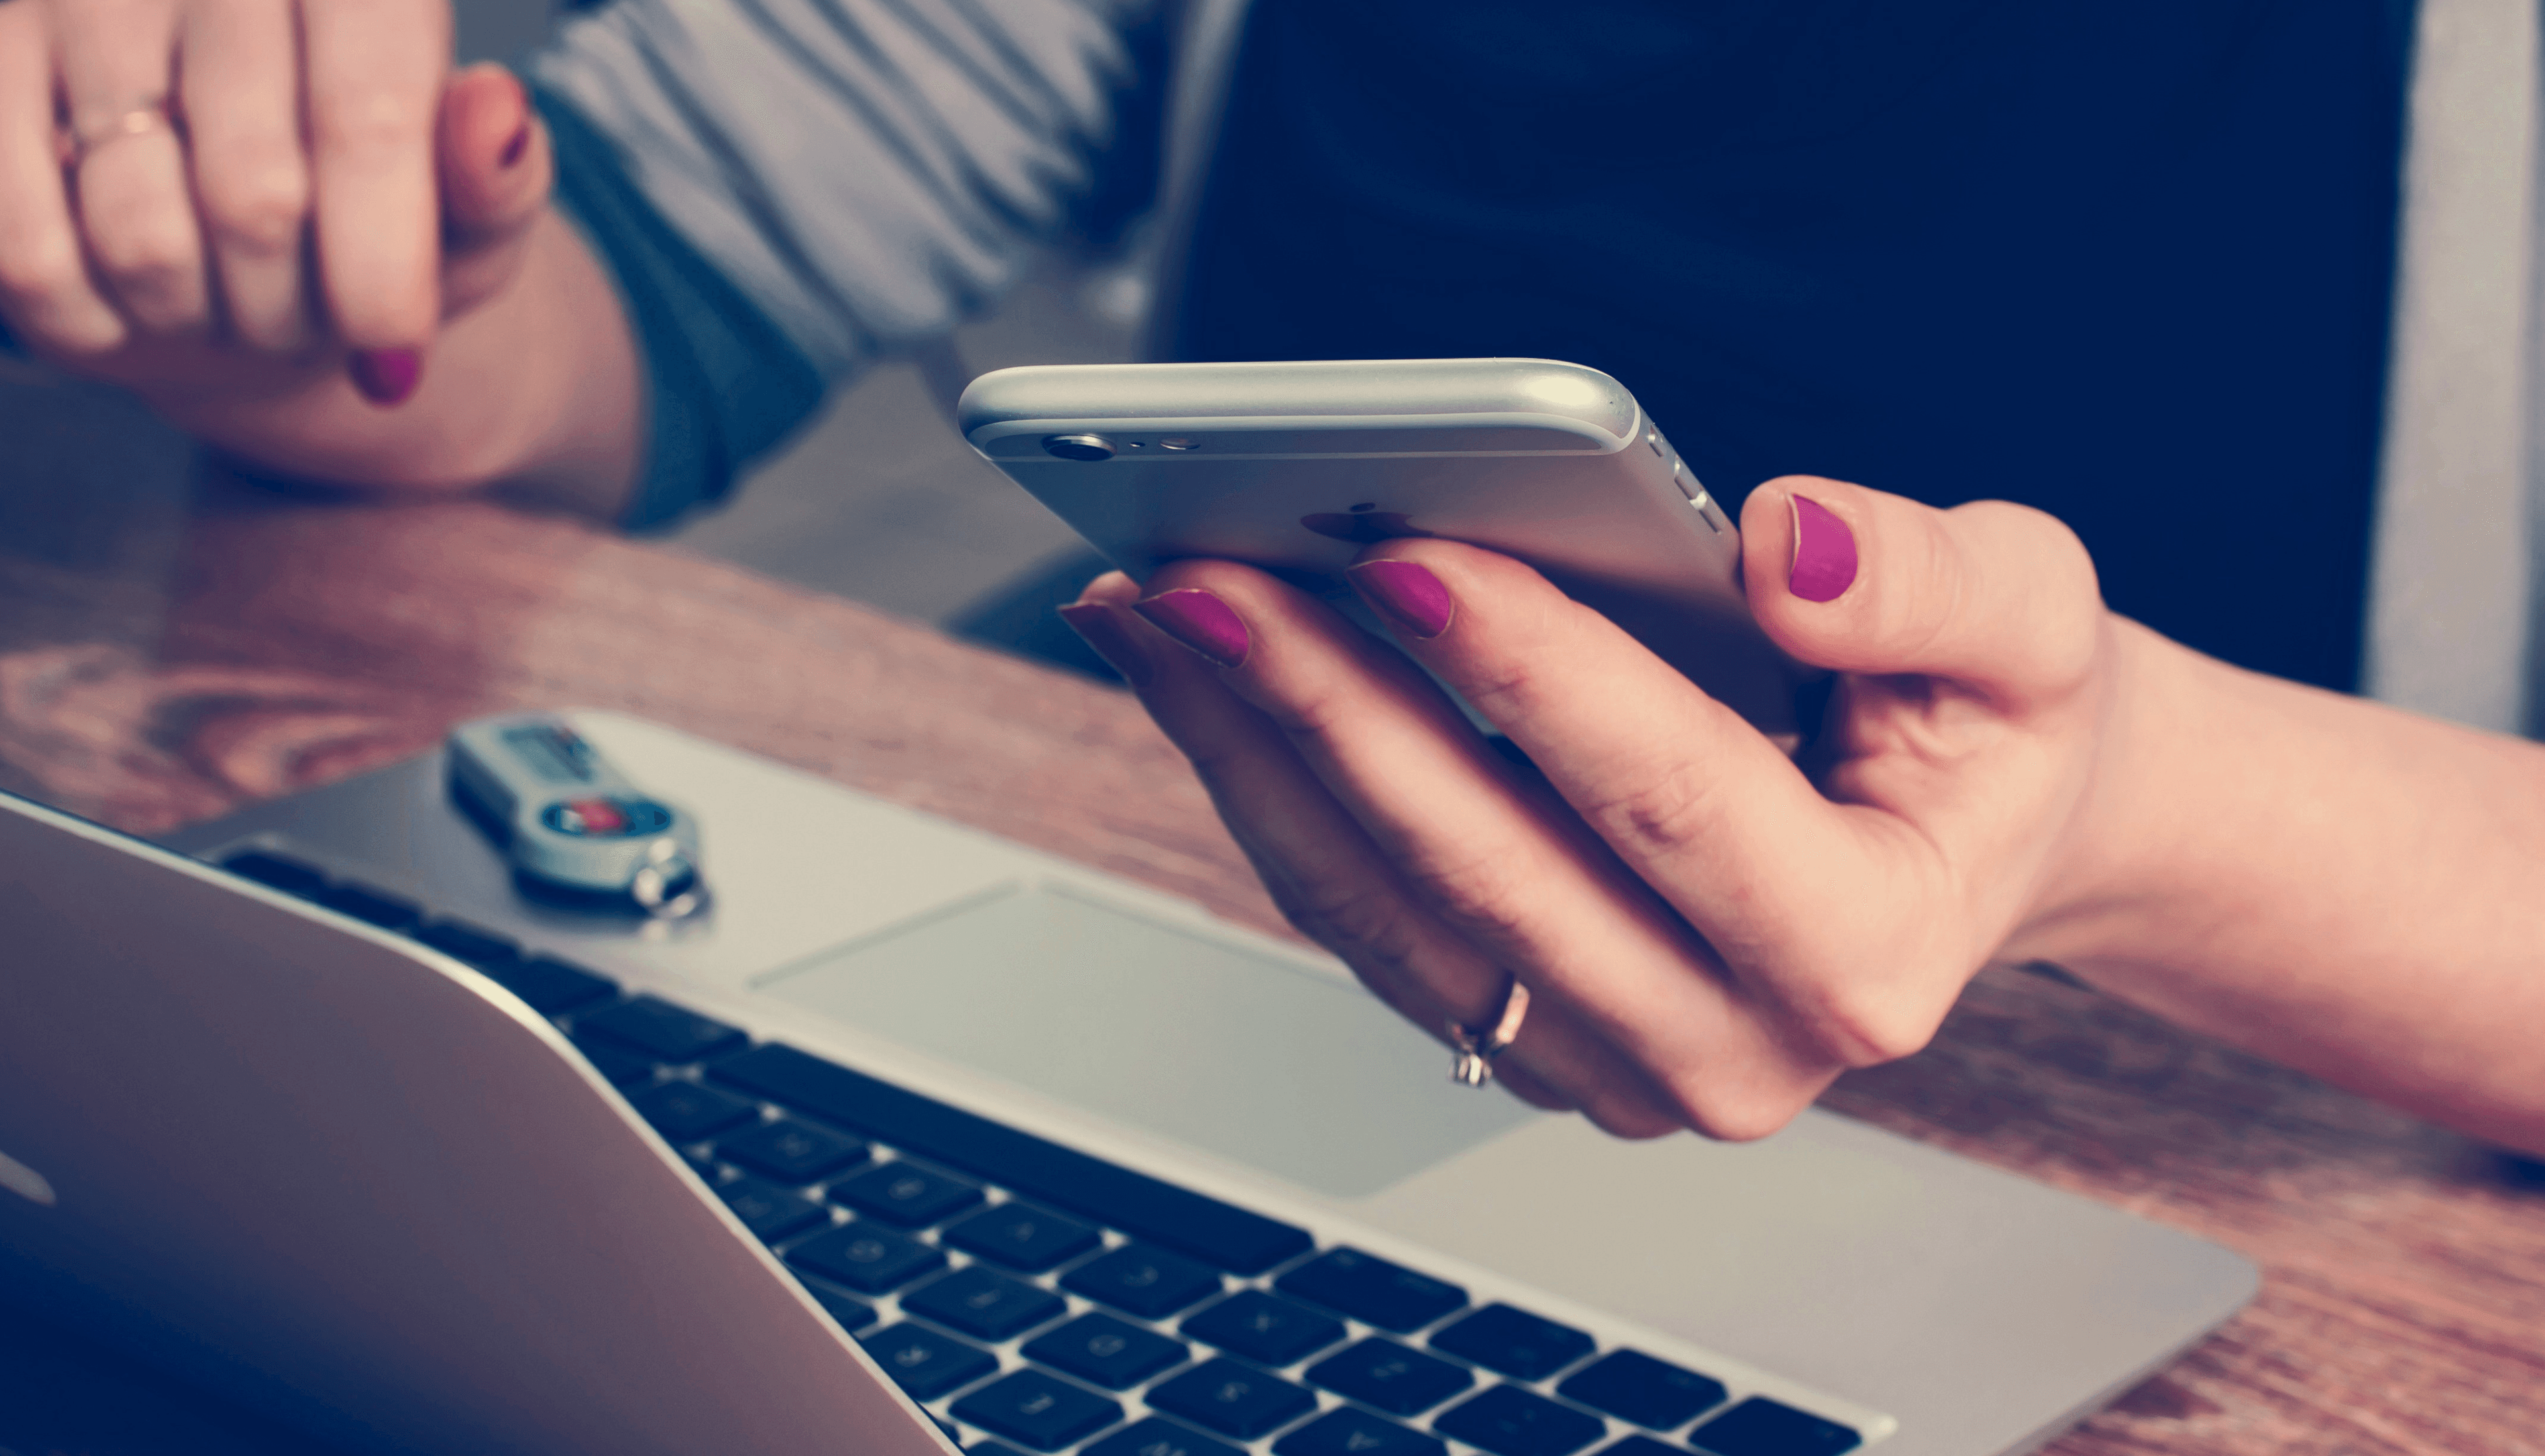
271,644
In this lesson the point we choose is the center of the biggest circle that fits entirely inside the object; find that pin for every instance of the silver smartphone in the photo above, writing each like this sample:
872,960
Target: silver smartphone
1297,467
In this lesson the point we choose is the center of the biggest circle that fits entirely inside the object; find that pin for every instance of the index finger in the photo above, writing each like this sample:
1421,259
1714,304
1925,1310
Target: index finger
376,75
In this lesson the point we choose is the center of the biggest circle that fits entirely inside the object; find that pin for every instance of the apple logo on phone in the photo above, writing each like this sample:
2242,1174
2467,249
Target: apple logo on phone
1364,523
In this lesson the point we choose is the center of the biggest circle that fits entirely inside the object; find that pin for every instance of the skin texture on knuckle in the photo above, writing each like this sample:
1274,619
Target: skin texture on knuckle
368,124
153,264
2062,603
258,206
1481,891
1363,924
1859,1021
1663,813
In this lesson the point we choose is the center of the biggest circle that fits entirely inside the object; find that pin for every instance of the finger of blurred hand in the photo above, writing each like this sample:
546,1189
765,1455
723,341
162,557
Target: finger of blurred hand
134,197
1516,877
496,168
1996,597
375,76
45,291
240,77
1332,883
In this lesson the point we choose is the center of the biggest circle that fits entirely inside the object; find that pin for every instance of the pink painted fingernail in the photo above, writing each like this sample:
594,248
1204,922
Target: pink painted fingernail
516,148
1824,564
386,377
1408,593
1095,623
1200,621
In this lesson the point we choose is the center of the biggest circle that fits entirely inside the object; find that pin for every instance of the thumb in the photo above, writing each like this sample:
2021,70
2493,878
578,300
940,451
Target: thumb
496,168
1999,598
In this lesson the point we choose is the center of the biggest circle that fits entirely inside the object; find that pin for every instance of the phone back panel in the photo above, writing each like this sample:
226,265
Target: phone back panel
1301,468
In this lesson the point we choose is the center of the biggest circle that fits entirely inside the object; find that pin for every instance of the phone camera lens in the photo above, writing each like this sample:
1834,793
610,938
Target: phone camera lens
1089,448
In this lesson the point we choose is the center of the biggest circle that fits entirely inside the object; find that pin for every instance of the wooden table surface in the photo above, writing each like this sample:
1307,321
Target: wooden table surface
248,644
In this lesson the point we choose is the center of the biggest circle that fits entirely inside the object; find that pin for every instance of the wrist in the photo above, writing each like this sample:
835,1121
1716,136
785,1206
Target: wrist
2113,885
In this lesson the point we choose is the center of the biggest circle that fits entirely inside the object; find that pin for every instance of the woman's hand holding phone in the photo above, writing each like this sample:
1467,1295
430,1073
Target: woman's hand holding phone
1711,932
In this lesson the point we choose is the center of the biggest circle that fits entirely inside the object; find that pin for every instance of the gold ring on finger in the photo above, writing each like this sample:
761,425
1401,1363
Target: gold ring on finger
141,121
1477,1046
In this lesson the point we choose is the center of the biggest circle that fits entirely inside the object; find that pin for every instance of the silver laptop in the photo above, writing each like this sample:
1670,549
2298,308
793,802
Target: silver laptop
922,1138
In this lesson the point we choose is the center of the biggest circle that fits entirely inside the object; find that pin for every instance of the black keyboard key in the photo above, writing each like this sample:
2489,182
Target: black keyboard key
1144,1281
853,1314
660,1029
1265,1329
926,1363
616,1067
1640,1446
1155,1438
278,872
1102,1350
389,912
984,1303
1233,1399
475,945
1759,1426
769,1211
685,1111
988,1448
1344,1431
1021,1236
1373,1290
548,986
906,1194
1633,1385
791,1152
1509,1422
864,1258
1387,1375
1218,1234
1514,1342
1036,1410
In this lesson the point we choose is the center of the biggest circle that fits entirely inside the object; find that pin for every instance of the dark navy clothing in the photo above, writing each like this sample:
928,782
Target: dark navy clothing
2130,264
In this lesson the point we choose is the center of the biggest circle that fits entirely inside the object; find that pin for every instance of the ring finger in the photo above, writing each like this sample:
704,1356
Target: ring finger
239,70
128,164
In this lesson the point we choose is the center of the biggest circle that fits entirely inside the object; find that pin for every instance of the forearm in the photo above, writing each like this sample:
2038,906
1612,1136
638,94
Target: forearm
2343,887
537,389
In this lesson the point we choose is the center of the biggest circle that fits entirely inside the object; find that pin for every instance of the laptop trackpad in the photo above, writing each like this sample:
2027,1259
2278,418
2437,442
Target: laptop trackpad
1162,1029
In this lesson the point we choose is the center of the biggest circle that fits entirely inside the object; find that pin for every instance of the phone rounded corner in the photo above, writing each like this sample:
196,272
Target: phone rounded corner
1577,392
989,400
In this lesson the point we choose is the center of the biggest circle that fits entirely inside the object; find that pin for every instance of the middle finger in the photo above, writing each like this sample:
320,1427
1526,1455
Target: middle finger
135,206
239,67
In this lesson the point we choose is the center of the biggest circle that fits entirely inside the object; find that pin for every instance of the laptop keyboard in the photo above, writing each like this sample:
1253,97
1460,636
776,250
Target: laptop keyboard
1036,1299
